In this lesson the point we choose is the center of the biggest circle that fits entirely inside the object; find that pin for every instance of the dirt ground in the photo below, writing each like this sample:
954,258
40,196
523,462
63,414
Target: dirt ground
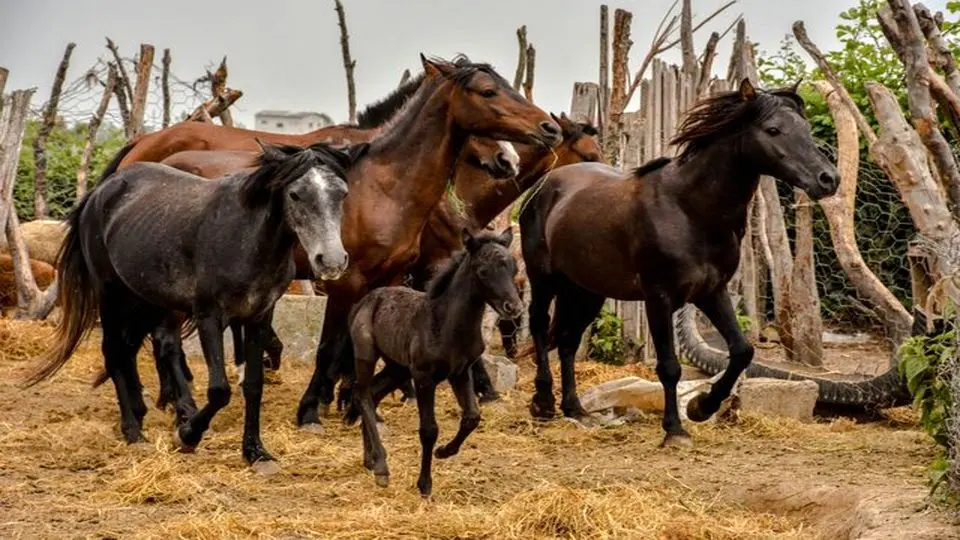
64,472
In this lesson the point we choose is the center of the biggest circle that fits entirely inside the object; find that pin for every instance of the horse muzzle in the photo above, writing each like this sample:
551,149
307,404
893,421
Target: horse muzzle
510,310
330,267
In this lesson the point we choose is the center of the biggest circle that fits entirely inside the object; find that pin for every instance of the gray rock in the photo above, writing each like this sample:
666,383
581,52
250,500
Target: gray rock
297,320
503,372
774,397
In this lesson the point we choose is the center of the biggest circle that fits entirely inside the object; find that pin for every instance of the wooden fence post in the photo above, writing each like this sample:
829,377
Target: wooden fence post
46,127
139,106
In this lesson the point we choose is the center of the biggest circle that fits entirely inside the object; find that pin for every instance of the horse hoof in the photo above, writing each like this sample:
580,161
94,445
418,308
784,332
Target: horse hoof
383,480
542,413
695,410
677,440
312,427
182,446
442,452
489,398
265,467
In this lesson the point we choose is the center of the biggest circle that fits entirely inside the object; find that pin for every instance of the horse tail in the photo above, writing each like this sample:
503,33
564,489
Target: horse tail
115,162
78,299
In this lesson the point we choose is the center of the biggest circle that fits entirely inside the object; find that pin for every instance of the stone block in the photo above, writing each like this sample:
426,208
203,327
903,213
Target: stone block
503,372
297,320
774,397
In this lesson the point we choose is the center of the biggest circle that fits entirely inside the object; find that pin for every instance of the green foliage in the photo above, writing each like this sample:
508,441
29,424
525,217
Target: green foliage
606,340
924,363
64,148
744,321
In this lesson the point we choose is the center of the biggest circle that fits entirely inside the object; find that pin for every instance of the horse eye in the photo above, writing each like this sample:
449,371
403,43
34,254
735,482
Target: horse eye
294,196
488,93
772,131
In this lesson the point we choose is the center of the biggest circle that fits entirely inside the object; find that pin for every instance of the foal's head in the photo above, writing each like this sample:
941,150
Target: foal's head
483,103
307,186
499,159
494,269
768,130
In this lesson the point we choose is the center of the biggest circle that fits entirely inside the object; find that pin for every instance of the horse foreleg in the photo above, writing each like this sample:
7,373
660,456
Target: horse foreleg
719,309
575,309
426,394
256,334
543,404
188,435
482,385
320,389
660,315
462,386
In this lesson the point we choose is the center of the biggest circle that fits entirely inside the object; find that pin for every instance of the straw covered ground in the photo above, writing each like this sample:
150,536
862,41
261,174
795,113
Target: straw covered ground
64,472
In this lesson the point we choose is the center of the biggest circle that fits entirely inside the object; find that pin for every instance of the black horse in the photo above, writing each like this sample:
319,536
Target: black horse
151,243
668,233
432,336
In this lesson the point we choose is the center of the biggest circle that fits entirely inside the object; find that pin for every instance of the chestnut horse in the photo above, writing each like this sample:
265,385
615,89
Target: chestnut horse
398,184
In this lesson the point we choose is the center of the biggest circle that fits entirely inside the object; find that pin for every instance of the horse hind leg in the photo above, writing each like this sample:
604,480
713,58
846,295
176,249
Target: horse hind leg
576,308
175,388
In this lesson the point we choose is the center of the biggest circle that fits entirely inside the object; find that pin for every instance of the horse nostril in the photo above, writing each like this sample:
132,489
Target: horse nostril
828,179
550,129
502,161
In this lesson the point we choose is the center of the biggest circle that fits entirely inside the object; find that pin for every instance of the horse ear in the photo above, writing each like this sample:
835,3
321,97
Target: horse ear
357,151
747,90
468,239
506,237
429,67
796,85
270,153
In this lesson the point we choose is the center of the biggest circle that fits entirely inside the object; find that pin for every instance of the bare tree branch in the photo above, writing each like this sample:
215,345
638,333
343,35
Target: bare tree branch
46,128
348,64
686,37
706,68
521,58
138,107
604,80
531,65
165,87
92,129
124,80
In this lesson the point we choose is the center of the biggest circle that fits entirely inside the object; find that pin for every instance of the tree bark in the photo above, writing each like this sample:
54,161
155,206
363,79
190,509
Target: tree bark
165,87
4,73
604,80
124,80
922,114
531,66
12,123
805,299
902,155
215,106
748,277
348,64
92,128
138,107
941,54
521,58
706,66
621,53
839,211
46,128
686,38
218,85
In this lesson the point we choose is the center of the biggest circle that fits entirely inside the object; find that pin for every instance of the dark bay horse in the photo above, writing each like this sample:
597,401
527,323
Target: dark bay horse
151,241
398,184
432,336
667,233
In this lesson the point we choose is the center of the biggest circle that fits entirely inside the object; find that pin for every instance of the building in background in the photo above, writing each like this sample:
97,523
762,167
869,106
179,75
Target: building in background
290,121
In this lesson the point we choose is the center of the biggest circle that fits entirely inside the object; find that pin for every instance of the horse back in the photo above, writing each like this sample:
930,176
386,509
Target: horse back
388,320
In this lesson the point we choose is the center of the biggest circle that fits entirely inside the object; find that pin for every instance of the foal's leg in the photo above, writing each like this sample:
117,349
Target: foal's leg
256,333
543,404
274,351
575,309
470,416
236,330
482,384
188,435
719,309
660,315
374,454
426,394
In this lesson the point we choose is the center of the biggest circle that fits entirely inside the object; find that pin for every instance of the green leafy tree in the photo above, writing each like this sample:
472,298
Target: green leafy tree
64,149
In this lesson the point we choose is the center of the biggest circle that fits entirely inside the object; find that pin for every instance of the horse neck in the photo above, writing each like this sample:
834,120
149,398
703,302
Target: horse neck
421,147
715,186
485,198
458,311
265,233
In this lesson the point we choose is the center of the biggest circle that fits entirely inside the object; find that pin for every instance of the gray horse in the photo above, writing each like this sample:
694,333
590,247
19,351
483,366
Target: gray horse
151,242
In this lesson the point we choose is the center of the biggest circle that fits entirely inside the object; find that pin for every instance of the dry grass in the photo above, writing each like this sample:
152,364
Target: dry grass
65,473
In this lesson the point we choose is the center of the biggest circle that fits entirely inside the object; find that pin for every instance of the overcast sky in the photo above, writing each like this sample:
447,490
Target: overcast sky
285,54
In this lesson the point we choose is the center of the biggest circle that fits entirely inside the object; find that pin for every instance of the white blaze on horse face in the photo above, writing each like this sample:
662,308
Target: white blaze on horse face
316,217
511,155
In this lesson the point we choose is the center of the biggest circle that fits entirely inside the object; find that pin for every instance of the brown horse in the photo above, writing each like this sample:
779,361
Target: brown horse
398,184
667,233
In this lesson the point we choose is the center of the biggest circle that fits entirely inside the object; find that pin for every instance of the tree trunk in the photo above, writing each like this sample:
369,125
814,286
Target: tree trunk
621,52
138,107
218,86
165,88
46,127
604,80
805,299
348,64
531,66
706,67
686,38
839,211
92,129
215,106
748,277
12,123
521,58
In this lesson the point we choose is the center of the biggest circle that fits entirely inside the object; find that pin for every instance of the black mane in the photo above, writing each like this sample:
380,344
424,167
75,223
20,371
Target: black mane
279,165
439,283
651,166
378,113
726,114
464,69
